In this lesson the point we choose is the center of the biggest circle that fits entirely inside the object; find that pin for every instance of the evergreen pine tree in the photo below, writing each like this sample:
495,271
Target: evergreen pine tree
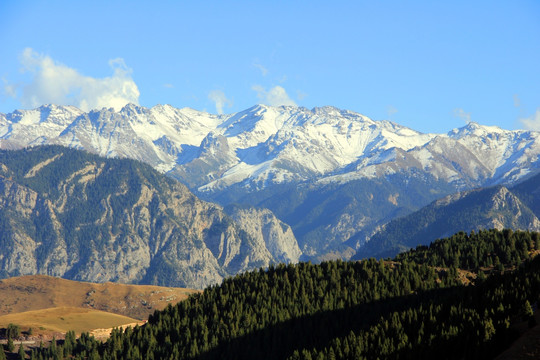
22,354
527,310
10,345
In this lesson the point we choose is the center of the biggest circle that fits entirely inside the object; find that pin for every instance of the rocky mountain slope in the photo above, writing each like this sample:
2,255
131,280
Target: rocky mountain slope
68,213
496,207
313,157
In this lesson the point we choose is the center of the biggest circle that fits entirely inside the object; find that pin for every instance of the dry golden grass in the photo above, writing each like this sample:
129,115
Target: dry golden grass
51,305
27,293
63,319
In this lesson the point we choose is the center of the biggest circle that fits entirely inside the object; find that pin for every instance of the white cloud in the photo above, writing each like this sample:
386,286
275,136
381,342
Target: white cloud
465,116
533,122
55,83
220,100
276,96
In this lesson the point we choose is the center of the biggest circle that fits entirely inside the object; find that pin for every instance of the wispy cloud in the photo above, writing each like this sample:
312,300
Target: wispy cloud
465,116
517,101
391,111
264,71
56,83
276,96
9,89
168,86
220,100
532,122
301,95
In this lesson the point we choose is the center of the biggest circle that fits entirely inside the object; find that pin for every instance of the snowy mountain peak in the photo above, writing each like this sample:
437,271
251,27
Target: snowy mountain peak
265,145
474,129
45,113
131,108
334,111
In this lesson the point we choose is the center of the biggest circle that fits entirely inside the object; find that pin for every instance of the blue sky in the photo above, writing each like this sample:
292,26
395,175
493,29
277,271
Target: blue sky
429,65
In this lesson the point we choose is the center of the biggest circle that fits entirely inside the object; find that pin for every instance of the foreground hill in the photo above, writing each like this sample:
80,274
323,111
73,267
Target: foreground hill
415,306
53,306
37,292
67,213
60,320
297,162
494,207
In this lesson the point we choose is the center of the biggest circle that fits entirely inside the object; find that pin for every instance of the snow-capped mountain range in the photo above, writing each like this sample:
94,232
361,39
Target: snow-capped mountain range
267,145
333,175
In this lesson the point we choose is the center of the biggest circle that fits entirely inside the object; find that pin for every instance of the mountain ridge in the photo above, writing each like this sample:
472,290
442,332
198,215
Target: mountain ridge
497,207
68,213
265,151
326,141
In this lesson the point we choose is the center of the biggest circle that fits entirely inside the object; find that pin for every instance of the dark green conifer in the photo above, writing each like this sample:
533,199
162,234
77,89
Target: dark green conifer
22,354
10,345
2,353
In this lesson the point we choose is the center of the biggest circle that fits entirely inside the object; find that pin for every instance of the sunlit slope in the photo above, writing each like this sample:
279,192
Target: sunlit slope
37,292
64,319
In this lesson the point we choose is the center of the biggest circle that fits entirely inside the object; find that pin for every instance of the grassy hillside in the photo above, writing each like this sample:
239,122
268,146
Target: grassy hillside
36,292
64,319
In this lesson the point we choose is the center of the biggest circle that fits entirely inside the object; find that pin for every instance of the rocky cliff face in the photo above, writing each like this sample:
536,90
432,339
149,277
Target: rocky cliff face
274,235
67,213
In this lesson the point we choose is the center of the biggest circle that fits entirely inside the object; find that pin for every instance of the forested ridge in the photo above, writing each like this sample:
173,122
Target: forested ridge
514,207
414,306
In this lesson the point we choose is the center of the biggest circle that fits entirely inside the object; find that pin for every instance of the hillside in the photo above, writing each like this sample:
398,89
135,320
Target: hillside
415,306
37,292
60,320
494,207
71,214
